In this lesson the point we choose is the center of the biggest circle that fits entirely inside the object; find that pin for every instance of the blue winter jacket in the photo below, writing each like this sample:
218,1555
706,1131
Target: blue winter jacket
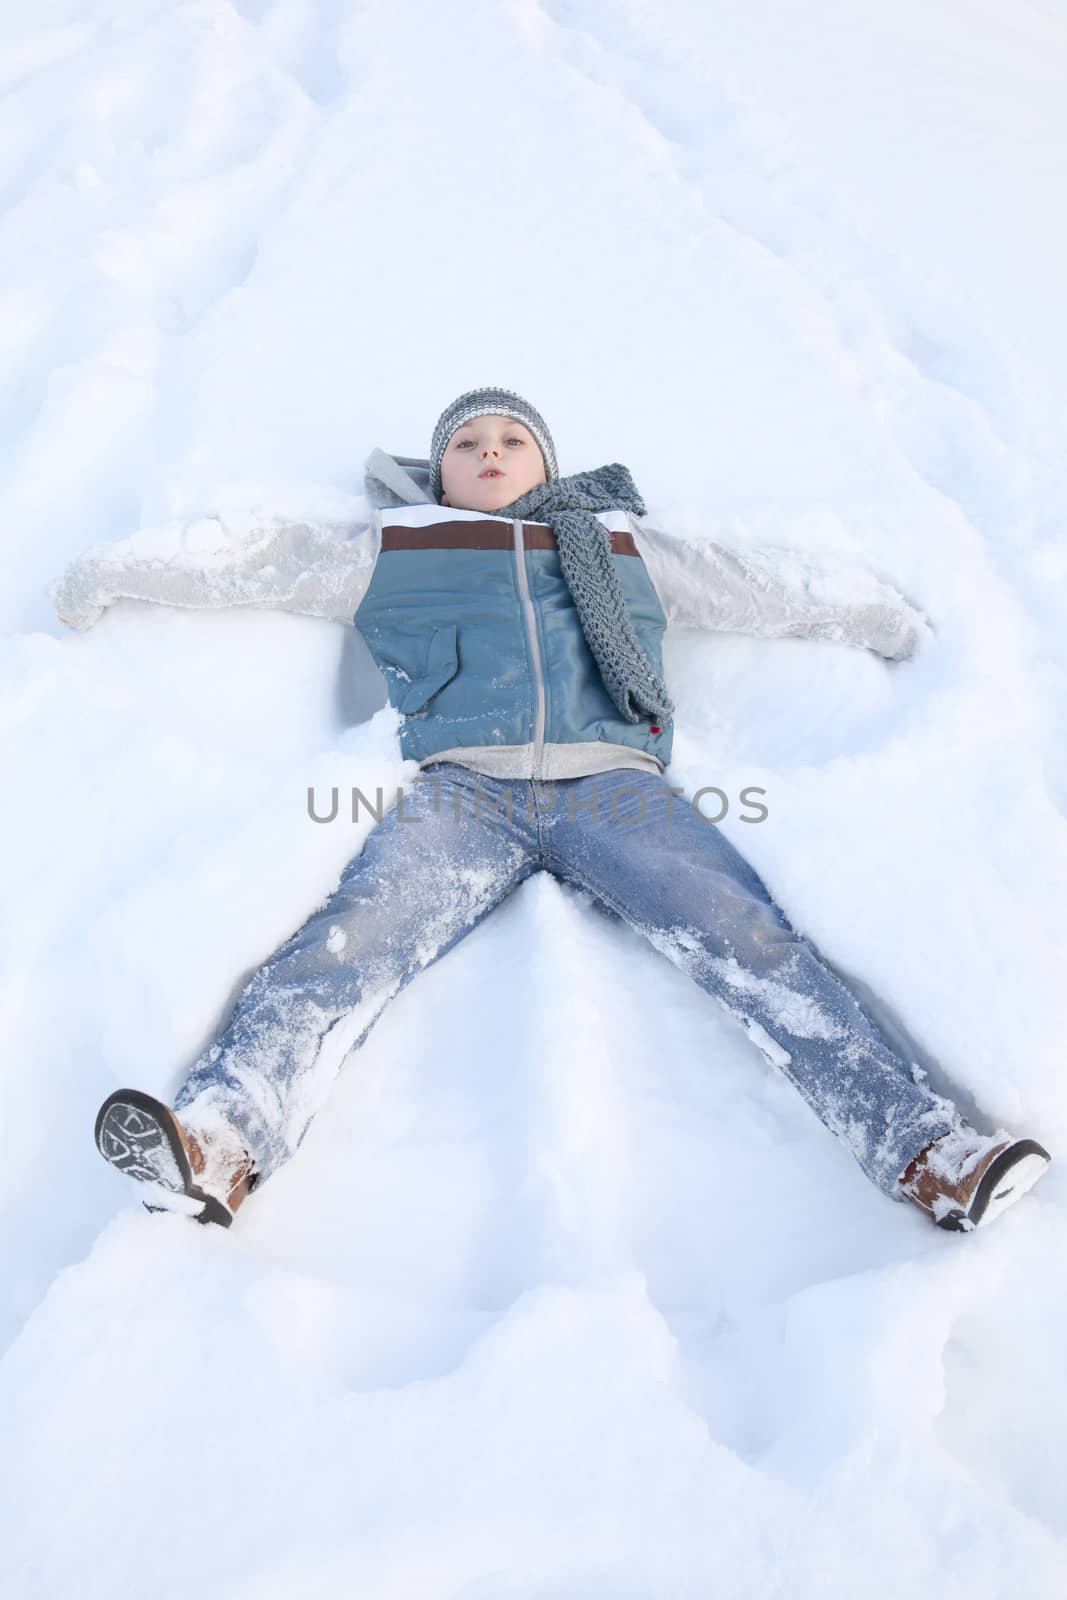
470,619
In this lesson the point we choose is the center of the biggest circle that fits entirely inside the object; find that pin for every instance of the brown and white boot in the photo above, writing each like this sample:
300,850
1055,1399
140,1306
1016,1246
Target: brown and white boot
965,1179
202,1174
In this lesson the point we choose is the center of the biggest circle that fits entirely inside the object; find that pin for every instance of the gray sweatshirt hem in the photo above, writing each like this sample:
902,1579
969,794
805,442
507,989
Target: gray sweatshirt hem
576,760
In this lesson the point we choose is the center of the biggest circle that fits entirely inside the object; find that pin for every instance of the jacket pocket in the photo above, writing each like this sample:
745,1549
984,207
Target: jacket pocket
414,679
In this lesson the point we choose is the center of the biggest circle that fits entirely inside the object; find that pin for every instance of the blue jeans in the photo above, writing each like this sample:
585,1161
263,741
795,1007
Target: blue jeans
456,845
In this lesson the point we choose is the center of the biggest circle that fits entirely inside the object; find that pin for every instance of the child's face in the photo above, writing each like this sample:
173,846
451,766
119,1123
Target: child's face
488,463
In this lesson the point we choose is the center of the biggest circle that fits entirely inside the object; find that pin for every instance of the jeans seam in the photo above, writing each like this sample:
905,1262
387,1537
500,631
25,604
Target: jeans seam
598,894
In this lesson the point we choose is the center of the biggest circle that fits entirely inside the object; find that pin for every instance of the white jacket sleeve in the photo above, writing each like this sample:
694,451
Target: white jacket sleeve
319,569
776,593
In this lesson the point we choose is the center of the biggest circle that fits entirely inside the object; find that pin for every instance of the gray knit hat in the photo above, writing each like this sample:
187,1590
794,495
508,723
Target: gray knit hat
484,403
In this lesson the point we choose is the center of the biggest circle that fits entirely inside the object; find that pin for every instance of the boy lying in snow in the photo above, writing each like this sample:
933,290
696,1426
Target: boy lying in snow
517,618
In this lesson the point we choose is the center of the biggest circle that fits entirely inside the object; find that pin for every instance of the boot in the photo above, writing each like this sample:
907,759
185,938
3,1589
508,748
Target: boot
965,1179
142,1137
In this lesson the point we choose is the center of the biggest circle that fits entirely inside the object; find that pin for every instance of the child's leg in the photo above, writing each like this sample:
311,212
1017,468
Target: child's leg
680,882
421,882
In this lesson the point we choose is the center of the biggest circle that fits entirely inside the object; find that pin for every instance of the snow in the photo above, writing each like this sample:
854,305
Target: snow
566,1292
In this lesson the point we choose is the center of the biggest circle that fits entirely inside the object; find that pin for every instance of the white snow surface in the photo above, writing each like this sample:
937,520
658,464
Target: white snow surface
567,1294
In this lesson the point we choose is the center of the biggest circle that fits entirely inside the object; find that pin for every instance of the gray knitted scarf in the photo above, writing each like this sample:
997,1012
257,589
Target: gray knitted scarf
567,505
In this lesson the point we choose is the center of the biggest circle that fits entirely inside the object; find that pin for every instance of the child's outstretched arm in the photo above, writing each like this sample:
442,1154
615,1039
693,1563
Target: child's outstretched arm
777,593
320,569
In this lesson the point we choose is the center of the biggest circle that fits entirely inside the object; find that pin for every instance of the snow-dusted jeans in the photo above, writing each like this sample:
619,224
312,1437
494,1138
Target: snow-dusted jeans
459,842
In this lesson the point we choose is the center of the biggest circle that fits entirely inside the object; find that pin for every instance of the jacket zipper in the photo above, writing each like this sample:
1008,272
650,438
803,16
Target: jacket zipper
535,651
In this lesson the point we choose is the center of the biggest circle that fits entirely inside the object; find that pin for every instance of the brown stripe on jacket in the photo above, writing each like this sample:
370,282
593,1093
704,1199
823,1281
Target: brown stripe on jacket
485,536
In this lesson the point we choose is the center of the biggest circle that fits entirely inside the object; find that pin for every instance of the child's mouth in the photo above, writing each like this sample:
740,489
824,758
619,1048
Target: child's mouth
492,473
